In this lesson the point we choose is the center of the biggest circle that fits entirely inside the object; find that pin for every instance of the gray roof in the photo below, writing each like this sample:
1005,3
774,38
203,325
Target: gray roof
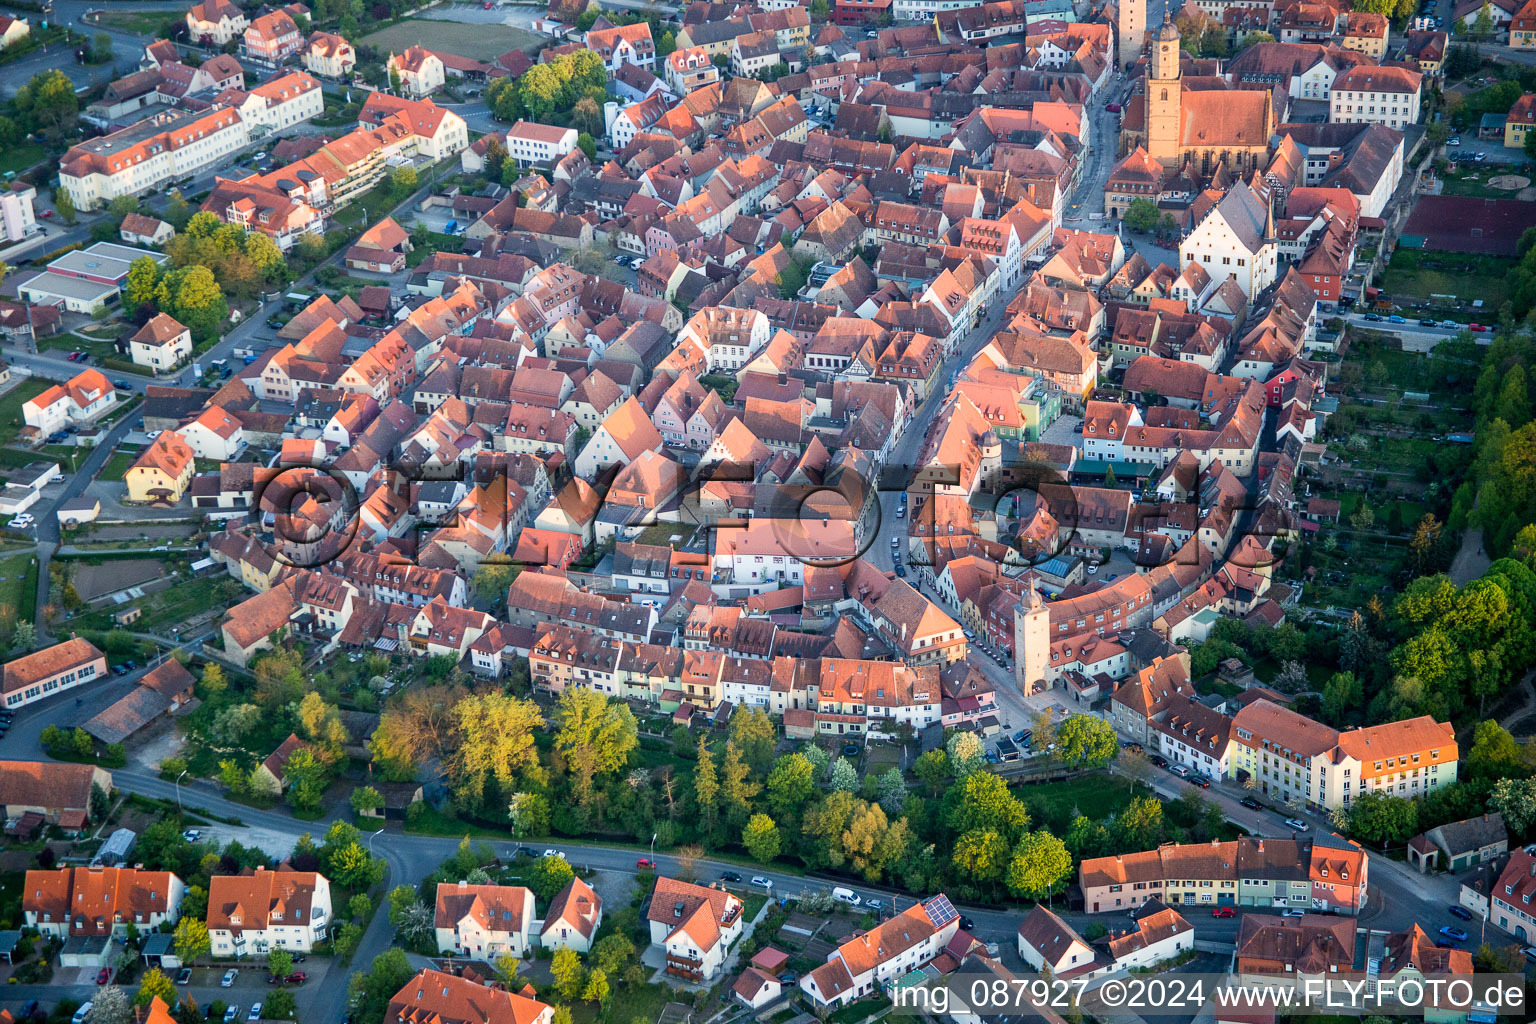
1471,833
128,715
1246,214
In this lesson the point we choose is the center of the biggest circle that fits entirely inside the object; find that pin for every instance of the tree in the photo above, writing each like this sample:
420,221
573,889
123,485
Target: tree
755,736
706,785
892,788
280,1005
611,952
845,777
1140,825
820,10
280,962
1515,799
761,838
549,875
24,636
1494,754
64,205
495,745
965,753
1254,38
1482,25
110,1005
587,144
982,802
1342,695
528,814
596,989
595,736
1040,865
1380,818
364,800
394,78
871,841
360,907
403,181
306,777
932,770
191,940
155,984
490,582
1362,518
981,855
1141,214
1086,741
790,784
566,971
139,289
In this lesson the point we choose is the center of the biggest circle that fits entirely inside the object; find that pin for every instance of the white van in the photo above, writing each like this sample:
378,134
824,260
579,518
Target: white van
847,896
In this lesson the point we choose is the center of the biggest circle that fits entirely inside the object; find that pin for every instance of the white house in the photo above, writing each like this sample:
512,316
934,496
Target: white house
99,902
1236,239
1161,934
533,144
1048,942
420,70
83,398
623,44
161,343
329,55
483,921
216,22
696,925
1370,94
622,437
215,435
890,950
573,918
248,915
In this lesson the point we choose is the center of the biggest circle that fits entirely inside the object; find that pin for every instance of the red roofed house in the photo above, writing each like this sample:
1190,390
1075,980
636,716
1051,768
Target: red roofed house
85,397
623,44
99,901
483,921
162,472
891,949
215,22
251,914
433,997
573,918
46,672
270,771
696,924
273,38
420,71
161,343
329,55
1519,120
380,249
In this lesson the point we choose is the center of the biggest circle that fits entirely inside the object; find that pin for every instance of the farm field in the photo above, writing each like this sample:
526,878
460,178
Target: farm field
482,42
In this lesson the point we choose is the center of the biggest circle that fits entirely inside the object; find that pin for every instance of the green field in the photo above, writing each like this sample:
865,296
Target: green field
1418,275
11,402
1096,795
482,42
20,158
116,467
13,588
145,23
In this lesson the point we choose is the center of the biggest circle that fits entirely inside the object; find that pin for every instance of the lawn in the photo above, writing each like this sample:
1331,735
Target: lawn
99,350
145,23
116,467
1421,275
1096,795
20,158
482,42
11,403
15,573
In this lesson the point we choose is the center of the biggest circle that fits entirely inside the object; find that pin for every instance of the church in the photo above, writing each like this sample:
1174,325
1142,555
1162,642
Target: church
1196,119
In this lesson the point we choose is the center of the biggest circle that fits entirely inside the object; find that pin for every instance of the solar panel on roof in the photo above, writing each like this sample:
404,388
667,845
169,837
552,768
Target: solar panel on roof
940,910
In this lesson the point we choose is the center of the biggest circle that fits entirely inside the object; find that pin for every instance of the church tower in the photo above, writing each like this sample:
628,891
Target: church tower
1163,99
1031,642
1130,29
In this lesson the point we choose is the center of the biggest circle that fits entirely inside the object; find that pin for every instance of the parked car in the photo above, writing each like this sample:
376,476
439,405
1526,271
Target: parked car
1294,912
1250,803
554,853
1200,780
1454,140
1427,321
525,851
255,1013
1459,911
22,521
789,978
1297,824
104,975
228,981
1395,319
993,757
846,895
645,862
730,876
901,571
1454,934
966,924
1529,952
28,1008
1223,912
82,1013
762,883
1373,316
1158,760
232,1014
876,905
1450,324
192,835
1476,328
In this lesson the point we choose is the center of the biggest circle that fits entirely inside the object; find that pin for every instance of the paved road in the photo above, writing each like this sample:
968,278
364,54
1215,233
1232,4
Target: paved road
1415,337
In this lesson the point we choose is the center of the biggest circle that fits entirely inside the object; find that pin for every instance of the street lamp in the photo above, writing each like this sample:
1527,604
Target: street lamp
371,837
178,789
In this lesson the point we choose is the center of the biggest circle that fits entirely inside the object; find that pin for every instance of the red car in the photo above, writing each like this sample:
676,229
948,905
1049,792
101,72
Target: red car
47,214
1223,912
104,975
1476,328
645,862
297,978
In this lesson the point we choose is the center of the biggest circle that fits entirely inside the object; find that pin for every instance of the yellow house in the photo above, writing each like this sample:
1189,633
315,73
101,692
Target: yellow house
1520,119
1366,33
1522,30
163,472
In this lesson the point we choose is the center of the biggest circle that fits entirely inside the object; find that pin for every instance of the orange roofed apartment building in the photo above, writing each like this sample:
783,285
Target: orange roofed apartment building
1291,757
1324,872
148,156
98,902
251,914
433,997
696,924
50,670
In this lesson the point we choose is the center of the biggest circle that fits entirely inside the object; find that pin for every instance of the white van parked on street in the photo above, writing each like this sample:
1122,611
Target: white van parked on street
847,896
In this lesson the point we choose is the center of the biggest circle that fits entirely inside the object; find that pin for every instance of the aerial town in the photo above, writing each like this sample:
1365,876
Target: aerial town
804,511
